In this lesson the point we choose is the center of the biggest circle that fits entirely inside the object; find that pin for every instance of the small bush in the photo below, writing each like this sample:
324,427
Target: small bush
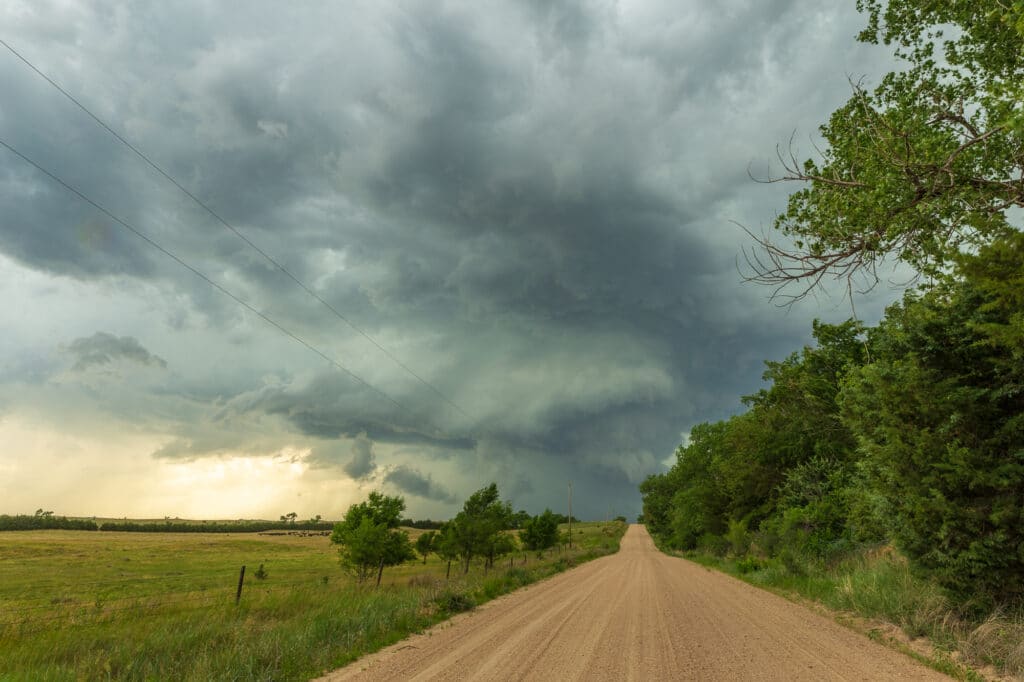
451,601
519,576
713,545
738,538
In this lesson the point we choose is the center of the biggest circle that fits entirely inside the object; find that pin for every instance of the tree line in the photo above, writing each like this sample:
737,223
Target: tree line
44,520
910,432
47,521
369,537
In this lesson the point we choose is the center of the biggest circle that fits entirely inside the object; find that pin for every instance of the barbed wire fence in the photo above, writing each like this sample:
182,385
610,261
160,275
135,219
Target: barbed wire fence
73,603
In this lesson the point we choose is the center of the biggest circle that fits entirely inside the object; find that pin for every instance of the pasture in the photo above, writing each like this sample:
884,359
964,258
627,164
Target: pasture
79,604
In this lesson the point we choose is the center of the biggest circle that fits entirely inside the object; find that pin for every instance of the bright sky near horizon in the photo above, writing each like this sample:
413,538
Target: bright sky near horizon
530,205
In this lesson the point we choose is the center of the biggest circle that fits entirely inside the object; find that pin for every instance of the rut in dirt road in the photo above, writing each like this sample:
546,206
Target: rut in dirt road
638,615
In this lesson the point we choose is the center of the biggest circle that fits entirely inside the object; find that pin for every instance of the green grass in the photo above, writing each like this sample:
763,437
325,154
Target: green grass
88,605
880,585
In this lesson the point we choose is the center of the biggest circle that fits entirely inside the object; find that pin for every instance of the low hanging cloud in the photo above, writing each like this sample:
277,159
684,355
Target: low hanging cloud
363,462
411,481
103,348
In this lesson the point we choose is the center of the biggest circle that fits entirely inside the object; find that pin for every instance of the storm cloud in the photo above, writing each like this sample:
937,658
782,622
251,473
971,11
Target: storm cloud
103,348
409,480
531,206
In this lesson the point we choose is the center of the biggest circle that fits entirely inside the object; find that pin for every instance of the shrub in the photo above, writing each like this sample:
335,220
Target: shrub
713,544
453,601
792,563
738,538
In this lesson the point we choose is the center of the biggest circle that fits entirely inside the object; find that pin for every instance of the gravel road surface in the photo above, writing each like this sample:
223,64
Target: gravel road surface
638,615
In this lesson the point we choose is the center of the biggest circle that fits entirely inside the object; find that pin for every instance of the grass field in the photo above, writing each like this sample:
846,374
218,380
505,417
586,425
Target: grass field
94,605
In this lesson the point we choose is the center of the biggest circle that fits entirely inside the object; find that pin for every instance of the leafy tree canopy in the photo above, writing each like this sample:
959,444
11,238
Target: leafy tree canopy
476,527
921,168
367,537
540,532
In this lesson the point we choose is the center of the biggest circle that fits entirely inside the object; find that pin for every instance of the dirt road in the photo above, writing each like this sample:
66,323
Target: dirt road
638,615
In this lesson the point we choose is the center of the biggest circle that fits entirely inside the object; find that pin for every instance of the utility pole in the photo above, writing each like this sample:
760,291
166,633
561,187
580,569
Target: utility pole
570,514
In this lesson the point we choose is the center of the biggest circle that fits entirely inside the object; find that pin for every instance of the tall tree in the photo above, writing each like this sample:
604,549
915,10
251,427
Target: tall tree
940,413
475,528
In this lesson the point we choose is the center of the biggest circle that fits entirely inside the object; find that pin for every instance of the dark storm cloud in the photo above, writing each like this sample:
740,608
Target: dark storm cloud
528,204
412,481
355,457
362,463
103,348
332,405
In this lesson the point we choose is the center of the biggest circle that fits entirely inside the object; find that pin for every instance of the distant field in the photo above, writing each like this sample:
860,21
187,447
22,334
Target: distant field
79,604
40,569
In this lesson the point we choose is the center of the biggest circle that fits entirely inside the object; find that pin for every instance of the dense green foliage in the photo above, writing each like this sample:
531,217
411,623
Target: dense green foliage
940,413
922,167
477,530
540,532
368,538
911,432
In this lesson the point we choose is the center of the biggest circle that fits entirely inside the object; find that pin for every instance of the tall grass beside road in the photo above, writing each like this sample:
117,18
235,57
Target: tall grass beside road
879,585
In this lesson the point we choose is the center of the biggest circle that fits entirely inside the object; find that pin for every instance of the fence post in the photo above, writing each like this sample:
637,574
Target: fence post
241,577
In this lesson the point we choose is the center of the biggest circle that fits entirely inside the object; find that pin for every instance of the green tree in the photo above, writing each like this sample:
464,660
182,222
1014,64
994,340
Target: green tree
919,169
699,502
482,518
425,544
738,476
501,544
368,538
940,415
446,545
540,532
520,518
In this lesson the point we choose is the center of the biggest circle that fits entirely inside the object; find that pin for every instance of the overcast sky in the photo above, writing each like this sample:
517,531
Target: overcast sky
529,204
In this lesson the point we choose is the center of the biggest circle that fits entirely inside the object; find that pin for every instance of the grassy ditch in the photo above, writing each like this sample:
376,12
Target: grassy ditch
80,605
894,606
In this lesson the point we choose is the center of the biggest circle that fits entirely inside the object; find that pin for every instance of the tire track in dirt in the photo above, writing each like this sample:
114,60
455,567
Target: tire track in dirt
638,615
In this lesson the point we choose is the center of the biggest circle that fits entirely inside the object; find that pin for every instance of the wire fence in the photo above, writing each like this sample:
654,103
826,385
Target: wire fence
73,603
83,602
66,594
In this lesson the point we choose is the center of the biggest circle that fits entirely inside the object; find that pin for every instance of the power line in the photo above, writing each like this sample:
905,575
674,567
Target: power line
146,238
230,227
